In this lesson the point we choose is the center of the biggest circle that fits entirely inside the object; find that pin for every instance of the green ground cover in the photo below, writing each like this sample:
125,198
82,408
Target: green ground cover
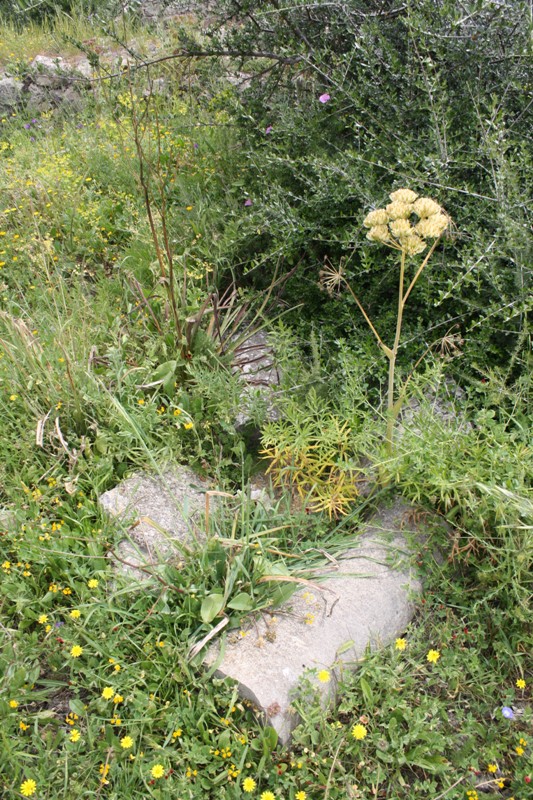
102,372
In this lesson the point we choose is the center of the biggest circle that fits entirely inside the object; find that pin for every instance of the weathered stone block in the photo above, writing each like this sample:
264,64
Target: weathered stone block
363,600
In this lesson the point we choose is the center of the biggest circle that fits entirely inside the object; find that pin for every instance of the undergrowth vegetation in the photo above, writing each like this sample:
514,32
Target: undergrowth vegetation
146,233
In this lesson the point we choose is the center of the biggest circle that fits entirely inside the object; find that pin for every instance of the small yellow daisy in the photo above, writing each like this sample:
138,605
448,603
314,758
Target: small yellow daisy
157,771
28,787
359,732
248,784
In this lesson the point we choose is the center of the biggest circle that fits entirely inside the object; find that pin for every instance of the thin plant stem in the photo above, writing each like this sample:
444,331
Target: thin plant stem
165,252
380,341
392,358
419,270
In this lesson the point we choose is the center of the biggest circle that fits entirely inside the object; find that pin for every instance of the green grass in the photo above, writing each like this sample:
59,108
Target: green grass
98,694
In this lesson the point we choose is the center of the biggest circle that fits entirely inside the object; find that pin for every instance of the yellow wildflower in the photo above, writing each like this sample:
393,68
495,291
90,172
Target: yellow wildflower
359,732
157,771
28,787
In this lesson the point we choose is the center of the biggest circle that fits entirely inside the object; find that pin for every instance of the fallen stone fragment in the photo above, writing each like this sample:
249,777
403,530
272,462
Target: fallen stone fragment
48,64
363,601
162,513
254,361
10,94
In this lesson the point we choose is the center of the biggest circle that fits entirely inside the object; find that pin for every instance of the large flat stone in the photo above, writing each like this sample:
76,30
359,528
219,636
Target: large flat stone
161,514
364,600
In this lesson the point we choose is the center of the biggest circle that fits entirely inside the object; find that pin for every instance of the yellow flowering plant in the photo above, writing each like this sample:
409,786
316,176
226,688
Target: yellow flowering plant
411,225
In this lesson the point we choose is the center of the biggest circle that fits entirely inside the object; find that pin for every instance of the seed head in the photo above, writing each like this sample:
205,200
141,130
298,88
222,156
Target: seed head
403,196
379,233
426,207
400,228
432,227
377,217
413,245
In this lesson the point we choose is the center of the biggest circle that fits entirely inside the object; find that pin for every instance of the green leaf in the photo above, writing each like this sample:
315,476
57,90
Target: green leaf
164,374
345,647
241,602
367,692
168,383
77,707
211,606
270,740
282,593
418,757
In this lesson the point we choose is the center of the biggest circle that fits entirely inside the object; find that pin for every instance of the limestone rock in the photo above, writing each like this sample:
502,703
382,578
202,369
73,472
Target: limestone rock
162,515
152,10
47,64
8,519
364,599
10,94
255,361
83,67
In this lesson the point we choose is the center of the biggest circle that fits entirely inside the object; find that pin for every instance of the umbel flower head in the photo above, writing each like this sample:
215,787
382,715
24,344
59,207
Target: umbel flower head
407,222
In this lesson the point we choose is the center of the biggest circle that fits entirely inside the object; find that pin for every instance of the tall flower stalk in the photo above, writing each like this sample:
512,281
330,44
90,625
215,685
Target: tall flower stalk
409,224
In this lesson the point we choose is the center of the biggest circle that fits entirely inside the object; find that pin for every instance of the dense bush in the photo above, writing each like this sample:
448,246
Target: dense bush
433,96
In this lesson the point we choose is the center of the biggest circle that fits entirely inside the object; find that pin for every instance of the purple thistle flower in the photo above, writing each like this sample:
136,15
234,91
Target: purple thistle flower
268,129
324,98
32,138
507,712
27,126
34,121
195,145
247,202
